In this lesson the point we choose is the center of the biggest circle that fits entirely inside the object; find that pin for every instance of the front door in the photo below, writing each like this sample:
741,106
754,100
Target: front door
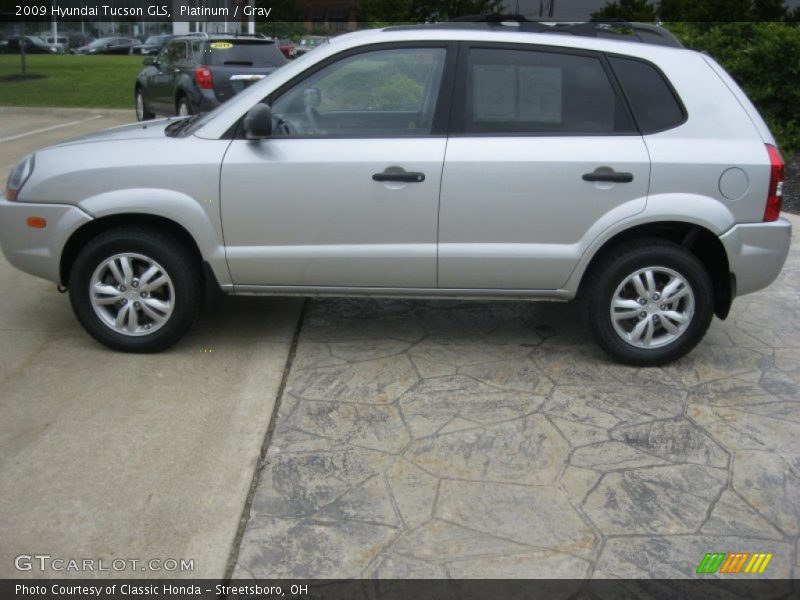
346,191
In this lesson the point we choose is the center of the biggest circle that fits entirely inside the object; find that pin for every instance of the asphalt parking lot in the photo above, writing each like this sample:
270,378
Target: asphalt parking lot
412,439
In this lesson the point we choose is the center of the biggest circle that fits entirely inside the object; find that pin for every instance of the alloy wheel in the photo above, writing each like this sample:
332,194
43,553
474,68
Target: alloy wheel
652,307
132,294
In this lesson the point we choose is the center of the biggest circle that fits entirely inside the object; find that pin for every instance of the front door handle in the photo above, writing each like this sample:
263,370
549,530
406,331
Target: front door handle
405,177
611,177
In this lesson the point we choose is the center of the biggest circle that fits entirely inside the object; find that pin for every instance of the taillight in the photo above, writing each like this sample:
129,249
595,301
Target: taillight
203,77
775,193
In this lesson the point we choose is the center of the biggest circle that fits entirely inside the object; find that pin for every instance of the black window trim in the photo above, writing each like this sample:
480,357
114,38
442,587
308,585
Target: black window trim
458,109
666,81
441,114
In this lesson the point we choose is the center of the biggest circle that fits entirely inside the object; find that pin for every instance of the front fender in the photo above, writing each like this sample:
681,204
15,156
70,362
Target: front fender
169,204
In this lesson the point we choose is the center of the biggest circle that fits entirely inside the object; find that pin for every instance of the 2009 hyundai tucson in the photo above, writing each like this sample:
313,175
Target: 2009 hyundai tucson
505,160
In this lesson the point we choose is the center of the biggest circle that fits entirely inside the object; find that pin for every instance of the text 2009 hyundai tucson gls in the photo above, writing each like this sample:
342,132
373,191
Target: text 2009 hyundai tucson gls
451,161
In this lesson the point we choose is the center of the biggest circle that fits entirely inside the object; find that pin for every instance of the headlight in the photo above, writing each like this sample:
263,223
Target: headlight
19,175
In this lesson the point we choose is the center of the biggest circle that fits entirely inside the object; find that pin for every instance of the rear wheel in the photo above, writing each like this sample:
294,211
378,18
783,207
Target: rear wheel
142,114
649,302
136,290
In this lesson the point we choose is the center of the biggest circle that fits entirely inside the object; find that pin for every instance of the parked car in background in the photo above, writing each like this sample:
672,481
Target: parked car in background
60,43
109,45
33,45
78,39
287,47
464,160
308,43
152,45
194,74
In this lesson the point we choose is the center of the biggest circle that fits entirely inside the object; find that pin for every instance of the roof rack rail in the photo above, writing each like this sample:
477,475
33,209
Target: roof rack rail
260,36
646,33
206,35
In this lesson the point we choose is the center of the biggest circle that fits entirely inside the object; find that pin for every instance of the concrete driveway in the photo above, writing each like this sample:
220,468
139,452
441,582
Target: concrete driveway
435,439
108,456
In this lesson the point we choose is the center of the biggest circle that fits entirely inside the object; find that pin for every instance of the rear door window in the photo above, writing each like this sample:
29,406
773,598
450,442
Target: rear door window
175,52
521,91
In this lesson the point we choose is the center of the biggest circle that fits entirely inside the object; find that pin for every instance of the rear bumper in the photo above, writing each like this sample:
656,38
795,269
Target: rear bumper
757,253
38,251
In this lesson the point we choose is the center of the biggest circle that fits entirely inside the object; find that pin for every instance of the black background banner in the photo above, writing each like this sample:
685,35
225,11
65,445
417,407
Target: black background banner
391,589
310,11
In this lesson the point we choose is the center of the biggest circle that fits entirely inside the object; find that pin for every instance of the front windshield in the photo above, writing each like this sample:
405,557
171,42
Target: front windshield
155,39
100,42
254,91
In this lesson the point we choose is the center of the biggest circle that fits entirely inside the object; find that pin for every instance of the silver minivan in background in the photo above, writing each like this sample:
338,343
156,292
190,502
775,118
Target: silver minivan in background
461,160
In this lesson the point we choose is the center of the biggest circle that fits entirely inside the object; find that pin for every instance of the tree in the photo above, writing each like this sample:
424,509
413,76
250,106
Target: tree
755,54
416,11
442,10
722,10
379,12
706,11
628,10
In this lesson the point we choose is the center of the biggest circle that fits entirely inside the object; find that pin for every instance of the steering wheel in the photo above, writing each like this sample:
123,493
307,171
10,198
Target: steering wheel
282,127
287,126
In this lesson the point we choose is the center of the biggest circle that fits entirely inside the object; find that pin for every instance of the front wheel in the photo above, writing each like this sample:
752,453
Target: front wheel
136,290
649,302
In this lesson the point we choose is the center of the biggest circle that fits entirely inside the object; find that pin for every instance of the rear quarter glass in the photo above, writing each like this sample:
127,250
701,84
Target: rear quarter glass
654,104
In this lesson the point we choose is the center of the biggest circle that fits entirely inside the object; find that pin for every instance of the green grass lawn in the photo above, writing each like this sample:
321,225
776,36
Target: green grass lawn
70,80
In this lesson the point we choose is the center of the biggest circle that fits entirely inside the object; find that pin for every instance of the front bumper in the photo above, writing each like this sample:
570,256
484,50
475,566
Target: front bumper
38,251
757,253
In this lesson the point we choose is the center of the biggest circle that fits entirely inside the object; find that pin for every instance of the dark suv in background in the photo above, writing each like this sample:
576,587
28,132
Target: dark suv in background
194,74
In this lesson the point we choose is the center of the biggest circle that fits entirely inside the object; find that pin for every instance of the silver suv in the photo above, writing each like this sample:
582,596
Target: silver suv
492,160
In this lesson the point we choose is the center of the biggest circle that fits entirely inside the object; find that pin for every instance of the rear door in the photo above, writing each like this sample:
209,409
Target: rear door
542,147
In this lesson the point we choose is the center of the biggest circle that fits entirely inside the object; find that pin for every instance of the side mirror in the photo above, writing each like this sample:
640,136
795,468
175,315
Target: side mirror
258,122
148,61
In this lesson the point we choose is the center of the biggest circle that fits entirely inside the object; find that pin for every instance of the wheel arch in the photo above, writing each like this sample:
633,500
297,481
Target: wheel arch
699,240
81,236
182,91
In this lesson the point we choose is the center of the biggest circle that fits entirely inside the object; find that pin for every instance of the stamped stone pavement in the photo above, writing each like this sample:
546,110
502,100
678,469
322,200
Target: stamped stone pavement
494,439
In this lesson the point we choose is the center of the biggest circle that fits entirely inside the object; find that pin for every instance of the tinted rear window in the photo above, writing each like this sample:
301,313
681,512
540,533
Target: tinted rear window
530,91
244,54
653,102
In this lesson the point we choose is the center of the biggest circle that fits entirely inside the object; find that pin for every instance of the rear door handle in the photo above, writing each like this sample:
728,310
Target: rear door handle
612,177
408,177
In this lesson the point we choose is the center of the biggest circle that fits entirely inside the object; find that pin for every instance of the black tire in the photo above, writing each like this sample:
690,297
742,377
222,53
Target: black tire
183,102
620,263
142,114
178,262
